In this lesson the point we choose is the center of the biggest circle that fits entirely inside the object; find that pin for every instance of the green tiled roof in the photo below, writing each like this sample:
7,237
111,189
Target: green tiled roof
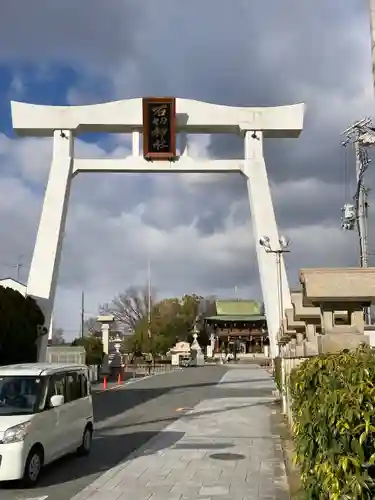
240,317
238,308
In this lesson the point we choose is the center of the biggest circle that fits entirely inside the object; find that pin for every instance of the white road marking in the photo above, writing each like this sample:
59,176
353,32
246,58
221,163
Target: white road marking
35,498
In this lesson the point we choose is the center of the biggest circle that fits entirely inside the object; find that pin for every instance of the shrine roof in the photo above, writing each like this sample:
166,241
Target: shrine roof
238,308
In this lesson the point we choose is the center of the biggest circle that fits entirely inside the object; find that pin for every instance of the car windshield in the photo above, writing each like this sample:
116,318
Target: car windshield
20,395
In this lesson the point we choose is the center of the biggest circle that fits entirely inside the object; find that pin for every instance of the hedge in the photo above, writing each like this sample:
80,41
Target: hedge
333,398
93,347
20,319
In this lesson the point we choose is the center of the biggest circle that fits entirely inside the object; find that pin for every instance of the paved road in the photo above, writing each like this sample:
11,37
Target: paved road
126,419
226,447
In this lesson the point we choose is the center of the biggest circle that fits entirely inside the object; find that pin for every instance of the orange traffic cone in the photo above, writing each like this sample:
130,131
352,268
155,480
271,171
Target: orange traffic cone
119,378
105,383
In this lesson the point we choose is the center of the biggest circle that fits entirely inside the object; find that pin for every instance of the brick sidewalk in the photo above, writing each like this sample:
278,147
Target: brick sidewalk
222,449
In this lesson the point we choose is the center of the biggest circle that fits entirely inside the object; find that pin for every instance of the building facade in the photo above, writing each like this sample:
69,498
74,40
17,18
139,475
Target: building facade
238,325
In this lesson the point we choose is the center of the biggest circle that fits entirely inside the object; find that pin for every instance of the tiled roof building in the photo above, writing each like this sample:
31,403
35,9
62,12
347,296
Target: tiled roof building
238,323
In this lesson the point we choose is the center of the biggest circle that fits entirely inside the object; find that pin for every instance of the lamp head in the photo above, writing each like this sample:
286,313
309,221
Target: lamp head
284,241
264,241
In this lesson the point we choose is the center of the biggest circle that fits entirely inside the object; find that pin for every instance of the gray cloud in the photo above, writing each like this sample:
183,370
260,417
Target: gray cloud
266,55
84,33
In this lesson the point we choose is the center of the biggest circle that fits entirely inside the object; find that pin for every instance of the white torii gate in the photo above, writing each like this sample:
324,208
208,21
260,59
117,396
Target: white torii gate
65,122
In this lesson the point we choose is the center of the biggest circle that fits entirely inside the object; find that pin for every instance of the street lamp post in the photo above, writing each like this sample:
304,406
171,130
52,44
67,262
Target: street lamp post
283,247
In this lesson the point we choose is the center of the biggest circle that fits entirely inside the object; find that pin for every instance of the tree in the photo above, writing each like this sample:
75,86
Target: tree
190,310
129,308
182,317
21,320
141,342
91,326
58,336
208,306
93,347
172,320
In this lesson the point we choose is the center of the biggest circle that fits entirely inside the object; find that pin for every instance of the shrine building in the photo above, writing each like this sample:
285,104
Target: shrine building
238,322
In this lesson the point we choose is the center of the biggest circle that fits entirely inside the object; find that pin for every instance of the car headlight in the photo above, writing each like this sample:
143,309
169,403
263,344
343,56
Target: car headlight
16,433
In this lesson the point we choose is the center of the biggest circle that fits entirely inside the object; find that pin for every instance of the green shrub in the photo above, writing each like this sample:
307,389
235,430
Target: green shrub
333,399
93,347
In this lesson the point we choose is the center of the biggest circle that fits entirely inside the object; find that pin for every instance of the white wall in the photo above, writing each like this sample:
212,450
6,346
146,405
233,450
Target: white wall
371,335
9,283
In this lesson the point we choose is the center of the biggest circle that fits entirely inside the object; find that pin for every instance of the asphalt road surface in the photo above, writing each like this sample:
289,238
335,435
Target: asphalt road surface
126,418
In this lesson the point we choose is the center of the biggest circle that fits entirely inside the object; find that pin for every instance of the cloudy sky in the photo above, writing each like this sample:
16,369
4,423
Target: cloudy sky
195,229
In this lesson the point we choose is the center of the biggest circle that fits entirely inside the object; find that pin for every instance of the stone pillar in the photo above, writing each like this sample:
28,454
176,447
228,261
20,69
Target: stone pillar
282,350
105,337
357,319
42,281
311,342
334,337
217,345
327,319
300,345
264,223
310,332
339,292
105,322
292,348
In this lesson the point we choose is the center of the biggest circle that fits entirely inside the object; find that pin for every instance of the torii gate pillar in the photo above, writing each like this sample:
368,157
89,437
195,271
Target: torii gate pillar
64,122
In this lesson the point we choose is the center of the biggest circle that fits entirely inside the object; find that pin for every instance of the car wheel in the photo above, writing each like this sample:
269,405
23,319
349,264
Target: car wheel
85,447
33,467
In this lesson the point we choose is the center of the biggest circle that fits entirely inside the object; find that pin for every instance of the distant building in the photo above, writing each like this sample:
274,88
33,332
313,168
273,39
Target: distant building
238,322
14,284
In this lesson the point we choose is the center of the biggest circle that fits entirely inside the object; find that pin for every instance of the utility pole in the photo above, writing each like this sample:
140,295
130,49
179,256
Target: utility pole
278,251
82,314
362,134
355,216
149,298
372,28
17,266
361,204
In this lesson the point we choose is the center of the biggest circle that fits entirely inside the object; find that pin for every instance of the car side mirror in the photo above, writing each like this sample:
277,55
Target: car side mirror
56,400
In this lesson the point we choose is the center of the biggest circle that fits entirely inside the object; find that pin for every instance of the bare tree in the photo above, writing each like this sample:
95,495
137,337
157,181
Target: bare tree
91,326
130,307
58,336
